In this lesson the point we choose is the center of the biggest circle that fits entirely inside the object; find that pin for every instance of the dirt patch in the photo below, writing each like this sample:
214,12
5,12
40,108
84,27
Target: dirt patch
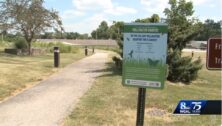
158,114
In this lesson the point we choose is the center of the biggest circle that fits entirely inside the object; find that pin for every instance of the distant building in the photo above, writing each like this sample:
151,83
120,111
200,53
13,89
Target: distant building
197,45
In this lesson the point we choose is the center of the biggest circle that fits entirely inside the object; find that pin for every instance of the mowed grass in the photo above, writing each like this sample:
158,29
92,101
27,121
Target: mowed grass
108,103
20,72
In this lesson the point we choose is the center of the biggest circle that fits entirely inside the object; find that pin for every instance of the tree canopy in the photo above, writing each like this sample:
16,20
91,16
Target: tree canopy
154,18
28,16
102,32
210,28
182,29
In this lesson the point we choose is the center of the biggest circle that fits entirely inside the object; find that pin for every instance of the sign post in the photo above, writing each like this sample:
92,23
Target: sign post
141,106
214,60
144,60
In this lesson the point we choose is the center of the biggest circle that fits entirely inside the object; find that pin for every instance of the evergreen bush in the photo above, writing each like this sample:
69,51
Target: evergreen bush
20,44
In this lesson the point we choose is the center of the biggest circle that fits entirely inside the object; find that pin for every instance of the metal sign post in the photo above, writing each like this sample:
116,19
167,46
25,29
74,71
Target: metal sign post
141,106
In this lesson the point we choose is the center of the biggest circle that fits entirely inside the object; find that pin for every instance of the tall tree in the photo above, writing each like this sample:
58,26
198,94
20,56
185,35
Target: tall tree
116,33
115,30
102,32
210,29
28,16
182,29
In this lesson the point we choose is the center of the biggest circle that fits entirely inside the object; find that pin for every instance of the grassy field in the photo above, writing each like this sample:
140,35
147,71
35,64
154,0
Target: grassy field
108,103
20,72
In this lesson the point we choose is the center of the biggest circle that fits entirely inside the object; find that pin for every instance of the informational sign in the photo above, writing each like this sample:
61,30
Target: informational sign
144,55
214,61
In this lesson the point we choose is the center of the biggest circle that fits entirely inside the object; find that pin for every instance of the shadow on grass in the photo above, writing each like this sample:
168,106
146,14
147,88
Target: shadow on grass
110,70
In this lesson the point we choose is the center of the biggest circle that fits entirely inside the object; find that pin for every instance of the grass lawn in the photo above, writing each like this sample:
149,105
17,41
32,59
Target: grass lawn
108,103
20,72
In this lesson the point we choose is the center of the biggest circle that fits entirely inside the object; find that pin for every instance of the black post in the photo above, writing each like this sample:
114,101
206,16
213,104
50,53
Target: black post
93,50
86,51
141,106
56,56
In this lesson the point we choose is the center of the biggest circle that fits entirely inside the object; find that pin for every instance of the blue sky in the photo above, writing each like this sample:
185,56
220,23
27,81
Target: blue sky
83,16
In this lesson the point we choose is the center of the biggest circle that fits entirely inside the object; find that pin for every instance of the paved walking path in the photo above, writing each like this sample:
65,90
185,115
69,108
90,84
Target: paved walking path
47,103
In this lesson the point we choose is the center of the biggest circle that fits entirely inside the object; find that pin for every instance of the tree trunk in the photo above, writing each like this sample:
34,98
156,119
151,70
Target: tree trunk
29,48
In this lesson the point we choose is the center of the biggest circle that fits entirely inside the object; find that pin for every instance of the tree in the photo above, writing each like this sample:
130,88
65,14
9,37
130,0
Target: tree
84,36
116,34
154,18
182,29
28,16
94,34
115,30
102,32
47,35
210,29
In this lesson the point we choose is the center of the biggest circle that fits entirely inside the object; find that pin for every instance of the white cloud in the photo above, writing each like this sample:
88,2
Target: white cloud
103,6
93,12
92,4
155,6
71,14
120,10
87,25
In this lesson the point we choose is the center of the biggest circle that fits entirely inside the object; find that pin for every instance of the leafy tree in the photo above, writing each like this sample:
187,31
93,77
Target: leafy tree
102,32
116,34
210,29
58,34
72,35
94,34
115,30
154,18
83,36
47,35
182,29
28,16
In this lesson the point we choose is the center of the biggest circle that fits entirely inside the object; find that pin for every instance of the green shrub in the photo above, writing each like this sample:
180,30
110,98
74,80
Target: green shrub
182,69
118,62
21,44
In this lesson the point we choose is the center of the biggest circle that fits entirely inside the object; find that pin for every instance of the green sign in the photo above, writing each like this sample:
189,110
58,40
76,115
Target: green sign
144,55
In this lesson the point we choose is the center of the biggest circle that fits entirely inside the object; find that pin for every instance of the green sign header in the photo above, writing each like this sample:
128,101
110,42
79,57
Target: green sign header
142,28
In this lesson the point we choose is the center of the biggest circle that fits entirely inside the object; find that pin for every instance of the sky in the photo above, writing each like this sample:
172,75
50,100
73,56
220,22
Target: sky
83,16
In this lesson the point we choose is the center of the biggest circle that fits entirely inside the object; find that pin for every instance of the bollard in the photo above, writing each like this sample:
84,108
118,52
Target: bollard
93,50
56,56
86,51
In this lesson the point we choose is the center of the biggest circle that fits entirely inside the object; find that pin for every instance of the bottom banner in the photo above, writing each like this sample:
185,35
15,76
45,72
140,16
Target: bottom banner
199,107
